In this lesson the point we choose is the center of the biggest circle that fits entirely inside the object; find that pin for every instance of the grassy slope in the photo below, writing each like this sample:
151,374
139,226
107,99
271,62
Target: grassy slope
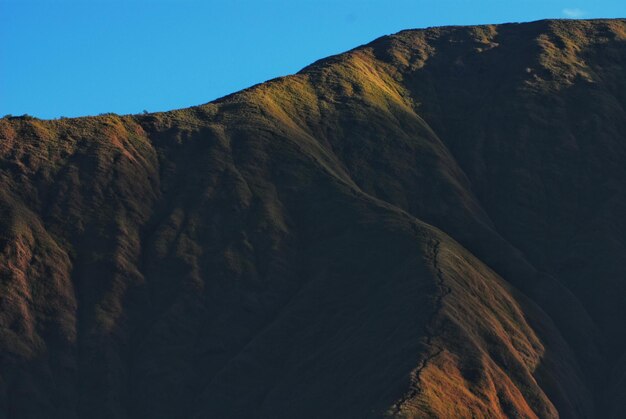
412,228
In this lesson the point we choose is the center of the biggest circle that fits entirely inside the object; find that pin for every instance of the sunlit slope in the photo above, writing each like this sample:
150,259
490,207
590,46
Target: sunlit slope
426,226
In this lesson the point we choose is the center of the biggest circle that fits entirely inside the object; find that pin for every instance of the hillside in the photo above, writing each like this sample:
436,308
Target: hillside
429,225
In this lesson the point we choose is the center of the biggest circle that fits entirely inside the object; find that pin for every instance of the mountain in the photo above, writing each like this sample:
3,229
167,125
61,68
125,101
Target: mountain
429,225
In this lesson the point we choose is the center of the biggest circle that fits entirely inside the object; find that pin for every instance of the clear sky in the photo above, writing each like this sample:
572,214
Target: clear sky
73,57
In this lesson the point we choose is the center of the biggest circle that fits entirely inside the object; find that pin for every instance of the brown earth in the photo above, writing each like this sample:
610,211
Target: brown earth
430,225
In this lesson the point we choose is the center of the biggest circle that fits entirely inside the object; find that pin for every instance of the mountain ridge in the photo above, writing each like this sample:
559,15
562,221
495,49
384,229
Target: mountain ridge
359,239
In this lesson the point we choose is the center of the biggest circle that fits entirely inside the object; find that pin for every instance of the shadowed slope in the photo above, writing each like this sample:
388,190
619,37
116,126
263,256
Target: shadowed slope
428,225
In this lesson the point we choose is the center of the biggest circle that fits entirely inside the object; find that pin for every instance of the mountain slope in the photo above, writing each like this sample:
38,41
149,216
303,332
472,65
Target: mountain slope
429,225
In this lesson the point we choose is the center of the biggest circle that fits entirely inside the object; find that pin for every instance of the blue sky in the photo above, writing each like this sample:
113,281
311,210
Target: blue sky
73,58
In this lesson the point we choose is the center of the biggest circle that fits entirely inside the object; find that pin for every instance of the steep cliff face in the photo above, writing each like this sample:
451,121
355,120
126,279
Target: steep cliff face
430,225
